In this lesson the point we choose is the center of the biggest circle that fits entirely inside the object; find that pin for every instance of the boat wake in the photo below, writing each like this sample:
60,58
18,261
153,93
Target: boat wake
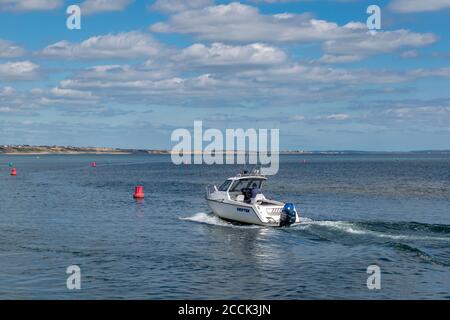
397,231
205,218
332,230
421,254
408,237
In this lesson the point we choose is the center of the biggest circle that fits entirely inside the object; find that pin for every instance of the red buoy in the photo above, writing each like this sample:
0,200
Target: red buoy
93,164
13,172
138,192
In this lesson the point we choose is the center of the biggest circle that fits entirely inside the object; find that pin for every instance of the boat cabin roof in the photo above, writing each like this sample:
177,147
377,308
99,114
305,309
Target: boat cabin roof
255,174
247,177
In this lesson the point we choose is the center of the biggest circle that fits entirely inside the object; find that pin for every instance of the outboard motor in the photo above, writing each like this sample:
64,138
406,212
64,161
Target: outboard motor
288,215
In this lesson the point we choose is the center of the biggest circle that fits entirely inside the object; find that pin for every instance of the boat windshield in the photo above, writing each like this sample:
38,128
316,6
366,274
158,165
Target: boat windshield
246,183
225,185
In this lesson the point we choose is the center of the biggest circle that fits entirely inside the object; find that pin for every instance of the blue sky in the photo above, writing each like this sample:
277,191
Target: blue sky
137,70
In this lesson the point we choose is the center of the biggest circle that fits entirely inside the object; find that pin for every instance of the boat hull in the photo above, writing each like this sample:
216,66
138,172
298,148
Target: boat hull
238,212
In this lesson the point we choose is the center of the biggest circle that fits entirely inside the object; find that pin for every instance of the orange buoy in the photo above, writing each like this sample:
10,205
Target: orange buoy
138,192
13,172
93,164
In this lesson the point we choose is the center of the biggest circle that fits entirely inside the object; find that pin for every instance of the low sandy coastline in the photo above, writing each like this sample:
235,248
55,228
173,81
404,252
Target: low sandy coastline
14,150
69,150
61,153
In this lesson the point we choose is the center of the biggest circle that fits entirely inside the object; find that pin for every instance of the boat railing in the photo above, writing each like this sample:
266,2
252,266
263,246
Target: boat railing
256,171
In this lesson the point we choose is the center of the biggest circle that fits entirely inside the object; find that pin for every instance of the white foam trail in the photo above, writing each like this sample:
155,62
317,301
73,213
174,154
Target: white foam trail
349,227
211,219
306,223
202,217
305,220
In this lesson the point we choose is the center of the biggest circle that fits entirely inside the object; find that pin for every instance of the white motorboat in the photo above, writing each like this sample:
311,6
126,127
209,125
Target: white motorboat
240,199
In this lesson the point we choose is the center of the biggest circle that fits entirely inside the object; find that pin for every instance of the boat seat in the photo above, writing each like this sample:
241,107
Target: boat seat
258,198
240,198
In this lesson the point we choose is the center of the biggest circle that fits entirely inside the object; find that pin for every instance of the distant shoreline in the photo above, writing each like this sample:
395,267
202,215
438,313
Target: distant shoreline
69,150
60,153
46,150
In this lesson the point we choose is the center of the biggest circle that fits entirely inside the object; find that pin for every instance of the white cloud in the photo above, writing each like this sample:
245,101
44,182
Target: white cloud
124,76
411,6
337,116
368,44
87,7
434,117
126,72
326,118
236,22
95,6
419,114
414,112
243,23
330,117
10,50
219,54
28,102
21,70
29,5
6,109
422,73
283,84
7,91
330,58
297,118
61,97
142,87
170,6
13,101
298,73
149,85
69,93
126,45
409,54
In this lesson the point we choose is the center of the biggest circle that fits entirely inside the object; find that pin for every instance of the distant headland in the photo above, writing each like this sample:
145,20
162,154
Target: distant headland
41,150
38,150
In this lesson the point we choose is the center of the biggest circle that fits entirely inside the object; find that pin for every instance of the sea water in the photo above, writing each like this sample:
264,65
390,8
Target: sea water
391,210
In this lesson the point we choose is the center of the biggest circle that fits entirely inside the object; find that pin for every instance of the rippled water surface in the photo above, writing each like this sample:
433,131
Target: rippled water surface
392,211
